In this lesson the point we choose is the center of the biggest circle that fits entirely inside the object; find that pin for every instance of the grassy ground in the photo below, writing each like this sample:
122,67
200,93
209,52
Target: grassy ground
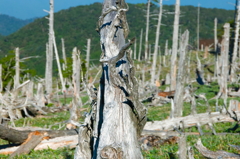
168,151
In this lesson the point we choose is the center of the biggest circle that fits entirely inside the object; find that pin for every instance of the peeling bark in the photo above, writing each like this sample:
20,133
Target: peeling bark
117,118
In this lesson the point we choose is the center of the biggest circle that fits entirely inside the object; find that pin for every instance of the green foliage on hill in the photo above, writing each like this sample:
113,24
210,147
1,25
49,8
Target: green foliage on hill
9,25
77,24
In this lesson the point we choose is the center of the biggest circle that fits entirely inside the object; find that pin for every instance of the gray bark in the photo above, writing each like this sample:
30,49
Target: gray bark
198,27
49,50
1,82
154,64
64,54
135,50
181,78
235,48
140,46
88,57
117,117
175,46
17,69
223,91
215,34
147,30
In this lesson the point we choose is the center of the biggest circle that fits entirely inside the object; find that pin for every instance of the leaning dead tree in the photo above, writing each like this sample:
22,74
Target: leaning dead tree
112,128
154,64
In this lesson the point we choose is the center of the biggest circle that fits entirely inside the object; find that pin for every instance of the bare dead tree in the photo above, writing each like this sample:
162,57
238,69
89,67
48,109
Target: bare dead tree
175,46
88,57
153,70
117,118
215,34
140,46
147,29
49,53
1,82
235,47
181,78
17,68
198,26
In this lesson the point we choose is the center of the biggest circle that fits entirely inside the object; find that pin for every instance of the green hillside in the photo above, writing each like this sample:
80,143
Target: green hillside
9,25
77,24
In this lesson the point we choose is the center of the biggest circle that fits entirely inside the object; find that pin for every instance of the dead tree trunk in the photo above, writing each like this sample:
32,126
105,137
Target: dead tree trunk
117,117
235,49
17,69
49,56
198,26
135,50
215,34
140,46
153,71
1,83
64,55
88,57
147,30
223,91
175,46
181,78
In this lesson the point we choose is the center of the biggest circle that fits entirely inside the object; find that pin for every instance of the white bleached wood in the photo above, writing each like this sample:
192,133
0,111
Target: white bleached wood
215,34
175,46
117,115
147,30
1,82
234,64
58,64
55,143
49,50
198,27
154,64
189,121
64,54
17,68
135,50
88,57
140,46
181,78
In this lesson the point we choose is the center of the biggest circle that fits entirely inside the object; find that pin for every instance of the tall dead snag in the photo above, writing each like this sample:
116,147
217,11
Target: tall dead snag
175,46
215,34
147,29
1,82
117,117
235,48
140,46
17,69
88,57
49,51
153,71
181,78
223,91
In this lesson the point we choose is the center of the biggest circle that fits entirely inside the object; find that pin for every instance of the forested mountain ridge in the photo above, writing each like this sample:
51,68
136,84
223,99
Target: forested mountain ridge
77,24
9,25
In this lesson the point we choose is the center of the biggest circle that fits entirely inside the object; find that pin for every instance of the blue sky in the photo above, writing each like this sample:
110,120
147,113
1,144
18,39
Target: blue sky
25,9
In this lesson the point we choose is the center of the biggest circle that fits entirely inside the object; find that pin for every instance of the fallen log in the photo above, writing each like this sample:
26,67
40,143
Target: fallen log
34,138
55,143
190,121
214,155
18,137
